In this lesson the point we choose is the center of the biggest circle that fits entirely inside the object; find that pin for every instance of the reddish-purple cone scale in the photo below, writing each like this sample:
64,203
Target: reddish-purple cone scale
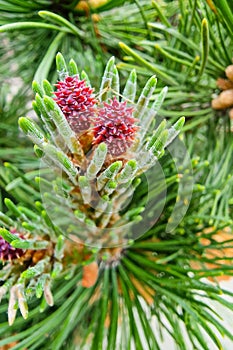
76,101
115,125
9,253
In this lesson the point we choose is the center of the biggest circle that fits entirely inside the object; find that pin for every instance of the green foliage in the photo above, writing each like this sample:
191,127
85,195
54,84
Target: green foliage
188,51
53,26
172,196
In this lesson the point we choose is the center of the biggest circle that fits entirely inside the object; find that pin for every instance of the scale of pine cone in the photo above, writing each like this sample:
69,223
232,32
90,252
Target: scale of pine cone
225,98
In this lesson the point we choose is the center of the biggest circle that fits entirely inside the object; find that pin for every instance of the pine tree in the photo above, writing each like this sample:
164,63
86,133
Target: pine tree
116,232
